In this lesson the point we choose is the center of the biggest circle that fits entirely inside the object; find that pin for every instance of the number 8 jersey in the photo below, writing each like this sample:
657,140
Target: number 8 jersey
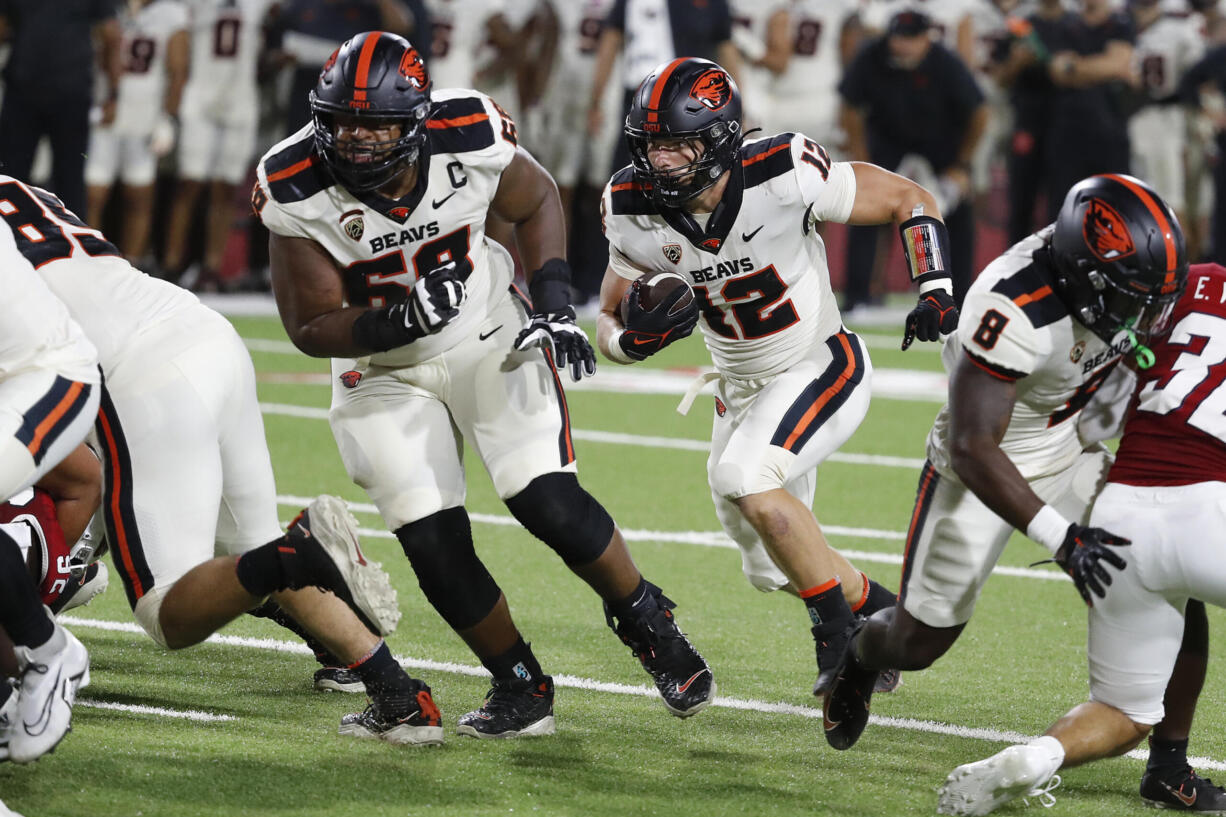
757,265
381,246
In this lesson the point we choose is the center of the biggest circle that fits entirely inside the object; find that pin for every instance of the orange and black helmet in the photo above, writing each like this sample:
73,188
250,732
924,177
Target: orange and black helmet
379,78
1120,257
690,99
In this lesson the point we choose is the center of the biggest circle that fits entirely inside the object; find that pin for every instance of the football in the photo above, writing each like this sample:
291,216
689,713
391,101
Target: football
654,289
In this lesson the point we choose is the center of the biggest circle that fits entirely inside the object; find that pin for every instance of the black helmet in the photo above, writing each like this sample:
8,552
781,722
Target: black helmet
379,77
687,98
1119,255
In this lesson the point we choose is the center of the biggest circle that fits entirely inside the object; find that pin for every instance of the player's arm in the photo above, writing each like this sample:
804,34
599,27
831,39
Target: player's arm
778,42
178,58
609,321
109,36
75,484
528,198
607,49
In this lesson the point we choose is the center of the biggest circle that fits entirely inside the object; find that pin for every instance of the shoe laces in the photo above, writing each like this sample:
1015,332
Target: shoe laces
1044,792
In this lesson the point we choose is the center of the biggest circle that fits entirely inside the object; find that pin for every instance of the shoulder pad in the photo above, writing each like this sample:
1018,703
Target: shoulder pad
296,172
765,159
1032,291
626,195
459,125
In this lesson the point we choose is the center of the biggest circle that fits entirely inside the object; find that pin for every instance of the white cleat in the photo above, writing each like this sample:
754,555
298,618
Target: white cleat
1018,771
50,677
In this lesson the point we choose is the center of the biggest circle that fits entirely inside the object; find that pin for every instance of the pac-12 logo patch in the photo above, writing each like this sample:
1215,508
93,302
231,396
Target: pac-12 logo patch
712,89
351,379
672,252
353,225
720,408
1079,349
1105,232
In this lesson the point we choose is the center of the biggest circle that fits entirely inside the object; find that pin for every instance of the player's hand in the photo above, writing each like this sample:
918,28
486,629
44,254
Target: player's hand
1082,554
557,332
434,301
648,332
933,316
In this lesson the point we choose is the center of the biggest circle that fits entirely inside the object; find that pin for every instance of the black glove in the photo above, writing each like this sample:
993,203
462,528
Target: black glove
433,301
933,316
1080,556
552,323
648,332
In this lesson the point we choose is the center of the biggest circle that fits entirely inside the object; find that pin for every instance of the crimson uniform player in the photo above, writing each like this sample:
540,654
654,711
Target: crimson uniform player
1166,492
737,220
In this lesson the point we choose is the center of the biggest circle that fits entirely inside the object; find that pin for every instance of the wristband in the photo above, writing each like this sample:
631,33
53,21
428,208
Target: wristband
925,244
550,287
615,351
381,329
1048,527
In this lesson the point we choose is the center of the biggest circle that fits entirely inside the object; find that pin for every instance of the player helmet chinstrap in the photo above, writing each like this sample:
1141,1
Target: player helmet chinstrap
1120,257
691,99
380,79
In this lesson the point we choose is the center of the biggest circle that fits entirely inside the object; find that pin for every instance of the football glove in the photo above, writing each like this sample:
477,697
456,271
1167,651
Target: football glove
552,323
648,332
933,316
434,300
1081,556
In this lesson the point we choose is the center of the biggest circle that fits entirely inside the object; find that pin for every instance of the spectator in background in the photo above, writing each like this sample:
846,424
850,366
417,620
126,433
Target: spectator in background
647,32
1091,67
953,21
469,36
1023,70
1204,86
219,115
912,105
303,34
155,61
53,97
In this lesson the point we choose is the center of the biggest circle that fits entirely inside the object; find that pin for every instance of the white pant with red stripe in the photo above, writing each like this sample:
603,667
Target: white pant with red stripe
955,540
748,415
401,431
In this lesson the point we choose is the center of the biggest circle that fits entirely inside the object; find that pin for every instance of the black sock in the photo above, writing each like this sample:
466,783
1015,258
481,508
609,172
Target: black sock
380,672
639,601
21,610
517,662
875,598
828,610
1167,755
260,571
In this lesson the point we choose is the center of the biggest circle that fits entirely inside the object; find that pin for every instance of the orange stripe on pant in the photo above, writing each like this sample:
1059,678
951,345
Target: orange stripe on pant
53,416
826,396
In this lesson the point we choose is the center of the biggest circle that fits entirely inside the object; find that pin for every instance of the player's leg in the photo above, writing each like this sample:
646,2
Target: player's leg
515,415
138,174
198,138
101,169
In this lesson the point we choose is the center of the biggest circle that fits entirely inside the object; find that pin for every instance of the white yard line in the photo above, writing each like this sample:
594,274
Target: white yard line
181,714
591,684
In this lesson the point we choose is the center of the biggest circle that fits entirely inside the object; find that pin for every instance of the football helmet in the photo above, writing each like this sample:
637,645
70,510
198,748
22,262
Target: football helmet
689,99
380,79
1119,257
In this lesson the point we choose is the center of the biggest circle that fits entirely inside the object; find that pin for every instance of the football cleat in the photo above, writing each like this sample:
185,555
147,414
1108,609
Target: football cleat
888,680
846,705
681,675
50,677
93,581
831,652
1183,791
407,721
978,788
338,679
324,550
513,708
8,717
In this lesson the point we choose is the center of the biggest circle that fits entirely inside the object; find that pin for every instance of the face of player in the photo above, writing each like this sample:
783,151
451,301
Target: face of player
362,141
670,154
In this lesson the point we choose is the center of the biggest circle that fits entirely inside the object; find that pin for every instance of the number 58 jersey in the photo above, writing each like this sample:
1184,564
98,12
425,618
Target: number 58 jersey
757,265
381,247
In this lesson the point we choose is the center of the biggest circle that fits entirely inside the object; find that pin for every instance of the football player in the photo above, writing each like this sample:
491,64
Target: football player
49,395
1164,493
1044,326
189,502
380,261
737,220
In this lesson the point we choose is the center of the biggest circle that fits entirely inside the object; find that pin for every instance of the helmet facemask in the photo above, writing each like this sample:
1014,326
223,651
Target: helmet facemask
366,166
1110,308
674,186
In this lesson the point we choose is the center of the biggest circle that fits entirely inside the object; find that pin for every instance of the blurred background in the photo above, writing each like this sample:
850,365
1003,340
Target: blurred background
147,116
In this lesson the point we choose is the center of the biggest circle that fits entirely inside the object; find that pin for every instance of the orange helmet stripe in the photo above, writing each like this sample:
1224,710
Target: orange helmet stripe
657,90
363,71
1164,224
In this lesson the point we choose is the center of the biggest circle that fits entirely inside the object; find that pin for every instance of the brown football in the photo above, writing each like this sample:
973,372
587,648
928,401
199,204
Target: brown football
654,289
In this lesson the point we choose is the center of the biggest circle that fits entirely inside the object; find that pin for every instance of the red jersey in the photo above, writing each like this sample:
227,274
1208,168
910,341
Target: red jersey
1176,429
48,558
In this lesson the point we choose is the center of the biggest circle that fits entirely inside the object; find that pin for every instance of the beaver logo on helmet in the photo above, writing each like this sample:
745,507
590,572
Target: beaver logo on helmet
413,69
1105,232
331,62
712,89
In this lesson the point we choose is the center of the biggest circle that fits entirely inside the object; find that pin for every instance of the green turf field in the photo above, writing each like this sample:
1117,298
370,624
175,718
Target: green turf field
233,727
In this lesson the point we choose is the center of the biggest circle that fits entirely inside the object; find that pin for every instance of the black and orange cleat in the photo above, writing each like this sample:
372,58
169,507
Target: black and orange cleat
513,708
846,706
409,719
1183,791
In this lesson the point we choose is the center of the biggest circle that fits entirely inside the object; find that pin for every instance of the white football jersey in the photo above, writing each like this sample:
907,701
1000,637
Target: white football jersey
112,301
1014,326
579,25
383,246
759,267
805,96
459,48
227,36
142,86
1164,51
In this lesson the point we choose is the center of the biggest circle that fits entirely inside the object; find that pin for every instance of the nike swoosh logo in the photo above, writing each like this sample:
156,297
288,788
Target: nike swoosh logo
641,341
749,236
693,678
485,335
1179,795
44,718
440,202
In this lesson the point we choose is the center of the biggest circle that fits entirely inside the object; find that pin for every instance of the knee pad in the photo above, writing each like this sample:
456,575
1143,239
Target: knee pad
733,480
555,509
455,582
